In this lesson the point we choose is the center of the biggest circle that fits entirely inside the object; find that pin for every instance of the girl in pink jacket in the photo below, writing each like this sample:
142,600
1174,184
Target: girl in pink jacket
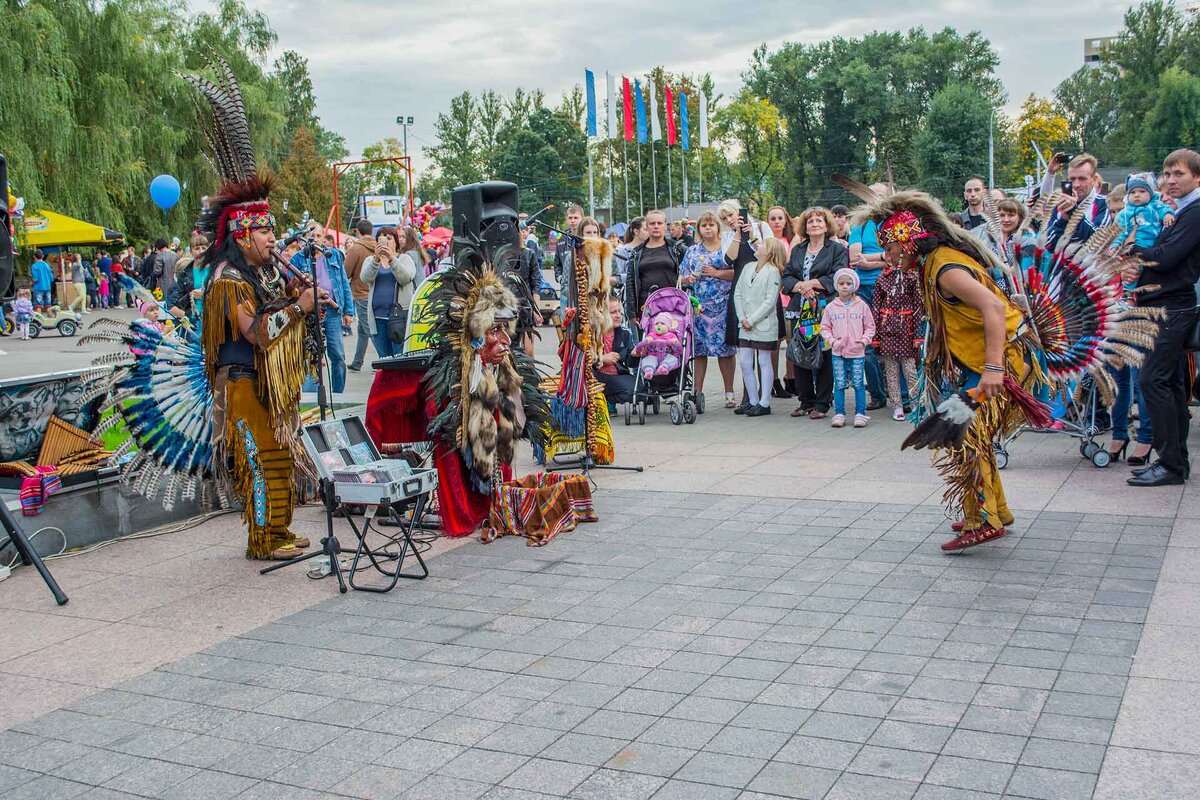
848,327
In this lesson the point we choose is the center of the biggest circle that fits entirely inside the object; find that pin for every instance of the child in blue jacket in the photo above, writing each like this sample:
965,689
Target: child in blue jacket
1144,208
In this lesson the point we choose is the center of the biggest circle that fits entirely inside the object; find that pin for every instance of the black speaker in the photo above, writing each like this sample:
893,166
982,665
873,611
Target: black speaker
7,259
485,221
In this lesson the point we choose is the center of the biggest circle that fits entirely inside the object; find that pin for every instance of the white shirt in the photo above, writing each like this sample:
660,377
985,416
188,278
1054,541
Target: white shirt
1187,200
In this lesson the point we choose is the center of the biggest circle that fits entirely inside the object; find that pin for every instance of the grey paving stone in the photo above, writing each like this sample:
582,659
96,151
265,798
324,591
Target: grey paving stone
680,732
1074,729
887,762
844,727
721,769
747,742
911,736
649,758
866,787
579,748
770,718
616,724
553,777
794,780
686,790
970,773
46,787
707,709
818,752
445,787
607,784
1050,784
1053,754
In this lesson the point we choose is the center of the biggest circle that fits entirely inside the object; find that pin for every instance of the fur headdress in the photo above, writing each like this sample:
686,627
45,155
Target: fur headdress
241,203
483,410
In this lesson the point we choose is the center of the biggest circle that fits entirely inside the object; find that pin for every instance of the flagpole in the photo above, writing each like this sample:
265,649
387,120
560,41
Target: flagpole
625,161
683,163
670,196
654,173
700,164
591,185
641,199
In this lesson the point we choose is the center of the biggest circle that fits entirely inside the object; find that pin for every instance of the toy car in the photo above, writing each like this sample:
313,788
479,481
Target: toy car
65,322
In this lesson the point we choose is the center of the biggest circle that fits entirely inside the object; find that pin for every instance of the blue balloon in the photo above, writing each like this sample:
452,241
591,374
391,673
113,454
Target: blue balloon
164,191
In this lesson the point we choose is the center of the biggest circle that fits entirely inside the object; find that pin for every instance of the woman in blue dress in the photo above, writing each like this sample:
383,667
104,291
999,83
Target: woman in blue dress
707,274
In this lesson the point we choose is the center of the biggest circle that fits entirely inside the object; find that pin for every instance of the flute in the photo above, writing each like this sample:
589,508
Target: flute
292,272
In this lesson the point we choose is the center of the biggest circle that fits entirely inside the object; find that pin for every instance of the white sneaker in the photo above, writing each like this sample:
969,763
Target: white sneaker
860,420
898,413
839,421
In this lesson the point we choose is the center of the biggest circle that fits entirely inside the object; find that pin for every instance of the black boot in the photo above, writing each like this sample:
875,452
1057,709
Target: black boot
777,390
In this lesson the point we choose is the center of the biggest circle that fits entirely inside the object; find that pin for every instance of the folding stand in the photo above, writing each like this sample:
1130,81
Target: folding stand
28,555
379,557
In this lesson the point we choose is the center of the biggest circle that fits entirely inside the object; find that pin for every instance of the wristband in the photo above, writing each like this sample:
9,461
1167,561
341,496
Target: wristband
993,368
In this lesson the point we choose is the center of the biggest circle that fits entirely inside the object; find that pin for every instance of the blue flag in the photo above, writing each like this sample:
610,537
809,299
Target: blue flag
641,111
683,121
590,81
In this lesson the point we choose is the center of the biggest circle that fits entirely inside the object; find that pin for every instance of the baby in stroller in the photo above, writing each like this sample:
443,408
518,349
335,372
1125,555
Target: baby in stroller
664,372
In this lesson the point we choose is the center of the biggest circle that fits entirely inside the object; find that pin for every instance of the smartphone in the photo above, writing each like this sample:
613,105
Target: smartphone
1067,187
744,213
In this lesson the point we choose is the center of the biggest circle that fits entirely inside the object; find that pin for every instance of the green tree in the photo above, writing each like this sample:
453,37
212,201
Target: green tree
856,105
1174,119
1088,100
754,128
455,156
387,177
953,144
305,181
1038,122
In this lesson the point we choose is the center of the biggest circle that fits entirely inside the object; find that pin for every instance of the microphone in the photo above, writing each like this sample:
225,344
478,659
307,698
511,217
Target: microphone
525,223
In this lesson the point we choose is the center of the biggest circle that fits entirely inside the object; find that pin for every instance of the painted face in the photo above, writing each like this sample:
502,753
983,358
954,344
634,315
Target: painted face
495,344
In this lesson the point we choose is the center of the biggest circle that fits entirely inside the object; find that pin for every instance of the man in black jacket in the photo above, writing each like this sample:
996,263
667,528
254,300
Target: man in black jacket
1174,268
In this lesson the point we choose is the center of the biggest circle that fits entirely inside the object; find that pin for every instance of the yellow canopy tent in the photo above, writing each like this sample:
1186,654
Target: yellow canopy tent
49,229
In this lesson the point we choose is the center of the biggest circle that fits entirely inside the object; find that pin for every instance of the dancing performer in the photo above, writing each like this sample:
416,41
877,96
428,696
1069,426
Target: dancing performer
985,346
225,405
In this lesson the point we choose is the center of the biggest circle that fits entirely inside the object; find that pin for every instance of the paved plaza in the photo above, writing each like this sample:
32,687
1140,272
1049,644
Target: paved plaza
762,613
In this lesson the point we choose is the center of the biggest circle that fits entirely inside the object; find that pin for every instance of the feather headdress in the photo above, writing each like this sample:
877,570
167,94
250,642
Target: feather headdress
241,203
482,411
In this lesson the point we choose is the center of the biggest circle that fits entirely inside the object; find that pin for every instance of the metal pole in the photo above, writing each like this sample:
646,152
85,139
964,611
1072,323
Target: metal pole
654,172
700,166
591,184
683,163
641,200
991,152
625,163
670,196
612,186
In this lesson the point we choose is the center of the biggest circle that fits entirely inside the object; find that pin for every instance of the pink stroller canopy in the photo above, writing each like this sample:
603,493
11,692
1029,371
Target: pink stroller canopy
668,301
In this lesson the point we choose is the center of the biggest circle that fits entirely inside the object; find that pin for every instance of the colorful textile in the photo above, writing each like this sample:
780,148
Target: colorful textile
539,507
35,490
713,294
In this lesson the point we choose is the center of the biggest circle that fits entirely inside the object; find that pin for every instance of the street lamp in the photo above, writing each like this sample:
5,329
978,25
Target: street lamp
404,122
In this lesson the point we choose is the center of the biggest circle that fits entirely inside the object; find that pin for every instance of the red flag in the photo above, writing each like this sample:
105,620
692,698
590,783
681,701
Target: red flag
670,109
628,97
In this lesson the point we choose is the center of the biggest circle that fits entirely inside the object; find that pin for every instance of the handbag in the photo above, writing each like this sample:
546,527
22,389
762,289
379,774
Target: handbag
397,323
804,352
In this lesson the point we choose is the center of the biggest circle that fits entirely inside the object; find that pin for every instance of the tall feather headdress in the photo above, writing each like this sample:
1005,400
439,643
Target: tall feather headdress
241,202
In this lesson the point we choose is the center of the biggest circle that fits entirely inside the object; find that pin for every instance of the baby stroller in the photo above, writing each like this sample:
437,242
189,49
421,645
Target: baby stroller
676,386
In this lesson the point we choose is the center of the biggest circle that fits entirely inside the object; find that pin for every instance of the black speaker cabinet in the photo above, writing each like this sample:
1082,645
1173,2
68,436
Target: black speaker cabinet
485,220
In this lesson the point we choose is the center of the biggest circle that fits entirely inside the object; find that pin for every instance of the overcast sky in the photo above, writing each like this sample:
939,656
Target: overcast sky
373,59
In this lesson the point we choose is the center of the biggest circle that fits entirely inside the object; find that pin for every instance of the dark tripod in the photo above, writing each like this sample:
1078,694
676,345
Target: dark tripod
28,555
